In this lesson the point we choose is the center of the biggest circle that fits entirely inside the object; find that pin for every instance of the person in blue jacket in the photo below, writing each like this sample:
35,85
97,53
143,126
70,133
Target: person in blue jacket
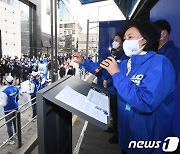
9,99
168,49
43,80
145,90
33,90
93,67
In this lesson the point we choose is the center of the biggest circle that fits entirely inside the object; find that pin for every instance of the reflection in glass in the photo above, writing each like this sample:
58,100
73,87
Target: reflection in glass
25,34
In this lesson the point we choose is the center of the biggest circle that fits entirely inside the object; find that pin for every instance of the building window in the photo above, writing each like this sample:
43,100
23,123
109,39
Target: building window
69,31
74,32
68,25
61,26
64,32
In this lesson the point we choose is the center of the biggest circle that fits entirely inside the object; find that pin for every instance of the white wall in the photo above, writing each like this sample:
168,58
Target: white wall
46,19
10,30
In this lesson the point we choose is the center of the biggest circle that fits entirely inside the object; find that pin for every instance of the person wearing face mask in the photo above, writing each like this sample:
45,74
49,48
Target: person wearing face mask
168,49
166,46
117,50
145,90
34,84
107,80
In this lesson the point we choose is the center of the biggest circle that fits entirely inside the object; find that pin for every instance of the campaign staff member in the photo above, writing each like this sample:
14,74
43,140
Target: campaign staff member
33,90
168,49
9,99
145,86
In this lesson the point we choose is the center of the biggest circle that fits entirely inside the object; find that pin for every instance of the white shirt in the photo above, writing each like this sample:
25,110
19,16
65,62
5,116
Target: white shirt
31,89
43,81
3,99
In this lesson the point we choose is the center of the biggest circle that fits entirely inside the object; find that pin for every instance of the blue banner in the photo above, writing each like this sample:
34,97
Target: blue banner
107,31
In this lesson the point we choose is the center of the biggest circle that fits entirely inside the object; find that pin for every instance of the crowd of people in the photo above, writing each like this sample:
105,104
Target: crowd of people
14,71
21,68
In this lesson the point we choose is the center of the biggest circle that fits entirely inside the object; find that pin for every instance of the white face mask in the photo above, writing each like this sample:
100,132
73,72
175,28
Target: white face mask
115,45
131,47
162,37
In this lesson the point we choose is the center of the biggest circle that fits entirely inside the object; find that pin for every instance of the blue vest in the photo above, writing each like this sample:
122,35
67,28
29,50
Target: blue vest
39,84
12,93
44,84
36,83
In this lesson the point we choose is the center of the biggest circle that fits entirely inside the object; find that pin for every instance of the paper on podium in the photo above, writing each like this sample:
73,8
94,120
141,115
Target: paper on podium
90,105
100,100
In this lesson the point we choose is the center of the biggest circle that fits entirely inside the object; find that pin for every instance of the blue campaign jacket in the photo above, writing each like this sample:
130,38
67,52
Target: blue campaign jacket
173,54
36,83
145,101
12,93
91,66
176,120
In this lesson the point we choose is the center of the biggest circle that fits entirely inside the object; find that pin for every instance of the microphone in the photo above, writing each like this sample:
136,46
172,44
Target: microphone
97,70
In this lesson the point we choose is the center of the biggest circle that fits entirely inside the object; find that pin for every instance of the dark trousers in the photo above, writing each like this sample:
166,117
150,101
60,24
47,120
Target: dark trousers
1,76
113,109
10,123
33,107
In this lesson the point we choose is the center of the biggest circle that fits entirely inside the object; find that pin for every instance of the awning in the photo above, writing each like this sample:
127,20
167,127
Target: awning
131,9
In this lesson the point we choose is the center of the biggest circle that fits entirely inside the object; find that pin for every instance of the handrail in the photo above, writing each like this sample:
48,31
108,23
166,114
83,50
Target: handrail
9,119
26,103
18,117
7,114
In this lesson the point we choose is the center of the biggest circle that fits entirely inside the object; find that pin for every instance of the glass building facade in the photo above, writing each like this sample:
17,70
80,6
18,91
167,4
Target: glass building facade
25,27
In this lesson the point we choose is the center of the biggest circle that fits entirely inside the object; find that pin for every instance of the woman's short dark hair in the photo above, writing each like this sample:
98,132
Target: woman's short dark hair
149,31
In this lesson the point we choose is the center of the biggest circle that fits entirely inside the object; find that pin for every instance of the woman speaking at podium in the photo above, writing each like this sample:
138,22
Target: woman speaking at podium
145,86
